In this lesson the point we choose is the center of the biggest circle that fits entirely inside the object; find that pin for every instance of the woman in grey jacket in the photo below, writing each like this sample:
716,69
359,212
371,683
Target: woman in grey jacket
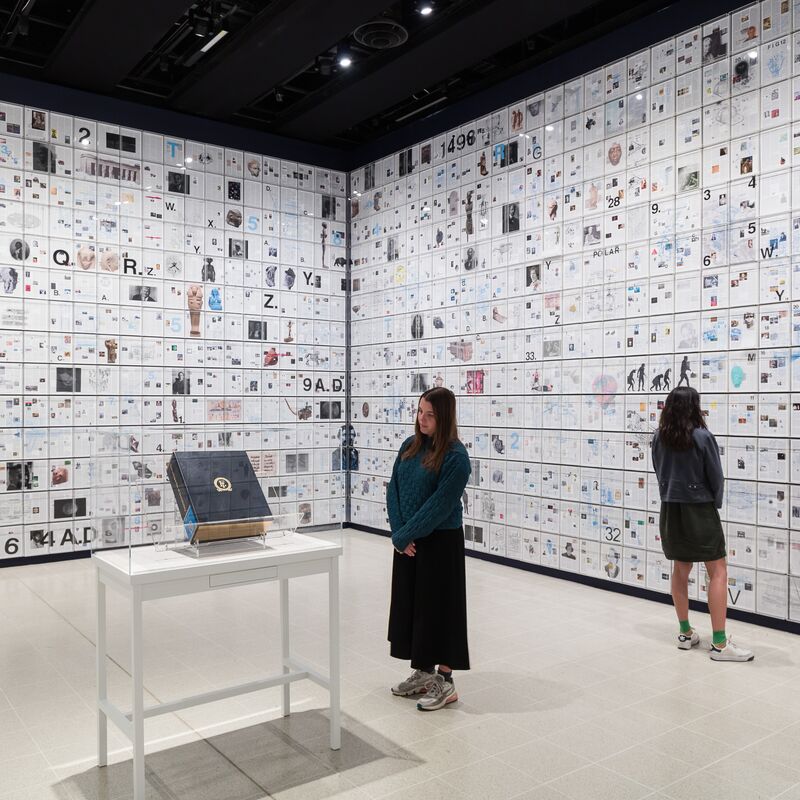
690,482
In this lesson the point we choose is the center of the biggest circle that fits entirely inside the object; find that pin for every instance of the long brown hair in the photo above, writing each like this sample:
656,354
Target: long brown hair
680,416
444,406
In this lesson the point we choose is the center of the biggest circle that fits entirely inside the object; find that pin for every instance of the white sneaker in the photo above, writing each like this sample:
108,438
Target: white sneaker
730,653
686,641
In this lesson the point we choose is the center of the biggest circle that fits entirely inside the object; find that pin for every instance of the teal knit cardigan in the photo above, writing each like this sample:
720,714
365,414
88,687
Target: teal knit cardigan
420,501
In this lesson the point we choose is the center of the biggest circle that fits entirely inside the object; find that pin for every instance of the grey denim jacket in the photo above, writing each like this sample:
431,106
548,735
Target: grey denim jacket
690,476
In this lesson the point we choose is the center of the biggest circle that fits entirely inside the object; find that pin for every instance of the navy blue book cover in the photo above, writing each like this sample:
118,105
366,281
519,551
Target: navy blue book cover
216,487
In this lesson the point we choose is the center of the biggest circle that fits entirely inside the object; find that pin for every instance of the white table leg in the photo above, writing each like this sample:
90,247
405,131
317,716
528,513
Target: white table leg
102,675
286,698
333,613
137,708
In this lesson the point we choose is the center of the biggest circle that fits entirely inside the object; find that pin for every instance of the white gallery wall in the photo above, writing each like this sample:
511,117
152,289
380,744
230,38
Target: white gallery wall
564,262
158,294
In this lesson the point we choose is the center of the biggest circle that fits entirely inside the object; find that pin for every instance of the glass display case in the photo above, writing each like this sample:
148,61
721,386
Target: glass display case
220,509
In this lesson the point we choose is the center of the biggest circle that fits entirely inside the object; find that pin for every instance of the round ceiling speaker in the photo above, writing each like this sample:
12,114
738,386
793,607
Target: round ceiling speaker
381,34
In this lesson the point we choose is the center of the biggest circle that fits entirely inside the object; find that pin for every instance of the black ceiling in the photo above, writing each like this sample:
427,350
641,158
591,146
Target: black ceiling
276,69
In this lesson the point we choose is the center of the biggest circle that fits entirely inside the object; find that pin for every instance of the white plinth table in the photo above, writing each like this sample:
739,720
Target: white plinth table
145,573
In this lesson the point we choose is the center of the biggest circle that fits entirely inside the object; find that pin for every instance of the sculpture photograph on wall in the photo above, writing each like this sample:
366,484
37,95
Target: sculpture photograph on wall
640,225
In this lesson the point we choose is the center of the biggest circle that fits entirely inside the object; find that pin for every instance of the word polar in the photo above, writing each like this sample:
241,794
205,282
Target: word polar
561,265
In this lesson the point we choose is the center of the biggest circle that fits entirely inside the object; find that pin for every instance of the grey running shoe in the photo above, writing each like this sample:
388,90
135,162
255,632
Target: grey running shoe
440,693
687,642
414,684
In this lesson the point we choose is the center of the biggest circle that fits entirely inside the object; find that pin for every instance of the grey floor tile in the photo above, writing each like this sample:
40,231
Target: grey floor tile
760,774
593,741
597,783
649,767
694,748
435,789
585,699
542,761
489,779
706,784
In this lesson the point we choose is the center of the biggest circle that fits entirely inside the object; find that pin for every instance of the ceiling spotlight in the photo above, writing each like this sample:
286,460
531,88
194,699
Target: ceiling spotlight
345,60
426,9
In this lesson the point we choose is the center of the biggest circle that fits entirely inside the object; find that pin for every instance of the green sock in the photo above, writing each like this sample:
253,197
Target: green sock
719,638
685,626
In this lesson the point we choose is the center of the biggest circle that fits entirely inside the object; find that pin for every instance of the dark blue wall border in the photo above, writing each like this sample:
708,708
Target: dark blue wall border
26,91
610,586
21,561
674,18
45,559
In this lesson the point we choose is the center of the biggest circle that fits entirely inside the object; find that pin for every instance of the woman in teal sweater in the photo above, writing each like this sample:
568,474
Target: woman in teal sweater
428,617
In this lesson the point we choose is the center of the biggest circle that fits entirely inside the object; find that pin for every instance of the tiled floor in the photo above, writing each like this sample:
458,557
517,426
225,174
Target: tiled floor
574,693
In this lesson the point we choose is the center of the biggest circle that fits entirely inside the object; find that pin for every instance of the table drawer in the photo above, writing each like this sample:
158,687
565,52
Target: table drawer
243,576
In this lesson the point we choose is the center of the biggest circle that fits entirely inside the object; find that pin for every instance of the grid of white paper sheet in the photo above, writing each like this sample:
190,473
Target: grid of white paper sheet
105,234
561,264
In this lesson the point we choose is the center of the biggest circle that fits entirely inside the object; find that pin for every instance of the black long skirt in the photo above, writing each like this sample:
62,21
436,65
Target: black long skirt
428,616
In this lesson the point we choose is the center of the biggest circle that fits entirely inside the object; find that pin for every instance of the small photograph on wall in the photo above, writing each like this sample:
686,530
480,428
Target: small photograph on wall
44,157
511,218
473,533
369,176
715,41
68,379
38,120
256,330
533,277
237,248
115,141
235,191
181,383
69,507
296,462
19,249
9,279
330,409
19,475
688,178
591,235
177,182
143,294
